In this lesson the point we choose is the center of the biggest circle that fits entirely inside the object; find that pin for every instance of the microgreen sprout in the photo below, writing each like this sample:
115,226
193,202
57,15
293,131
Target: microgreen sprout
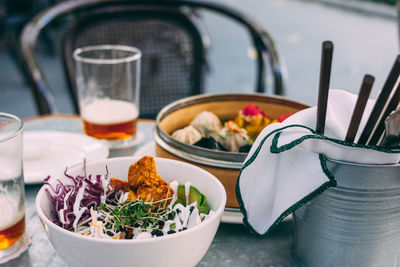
131,215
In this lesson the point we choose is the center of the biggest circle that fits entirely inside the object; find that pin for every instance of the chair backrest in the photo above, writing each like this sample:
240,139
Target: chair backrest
170,42
173,64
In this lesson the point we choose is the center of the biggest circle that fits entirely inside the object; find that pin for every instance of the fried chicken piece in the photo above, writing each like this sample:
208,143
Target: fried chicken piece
143,182
132,195
144,173
118,184
148,194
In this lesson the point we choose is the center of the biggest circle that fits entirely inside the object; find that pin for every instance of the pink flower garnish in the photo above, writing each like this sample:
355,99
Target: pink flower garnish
252,110
283,117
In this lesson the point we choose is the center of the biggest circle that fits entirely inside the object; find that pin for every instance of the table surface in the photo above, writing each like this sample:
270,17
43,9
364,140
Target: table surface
233,244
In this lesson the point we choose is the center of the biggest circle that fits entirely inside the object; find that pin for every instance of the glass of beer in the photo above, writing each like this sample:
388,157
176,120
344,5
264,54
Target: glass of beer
108,82
12,195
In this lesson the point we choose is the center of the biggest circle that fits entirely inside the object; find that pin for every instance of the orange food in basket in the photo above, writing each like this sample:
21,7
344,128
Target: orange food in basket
254,120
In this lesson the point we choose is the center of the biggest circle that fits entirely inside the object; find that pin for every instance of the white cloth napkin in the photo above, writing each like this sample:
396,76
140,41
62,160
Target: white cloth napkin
285,167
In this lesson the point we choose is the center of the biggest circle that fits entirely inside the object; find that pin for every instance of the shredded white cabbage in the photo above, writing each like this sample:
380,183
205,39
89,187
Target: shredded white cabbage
61,212
76,210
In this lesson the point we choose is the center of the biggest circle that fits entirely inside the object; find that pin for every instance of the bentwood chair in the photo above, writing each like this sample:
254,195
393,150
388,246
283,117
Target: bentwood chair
171,41
170,34
14,14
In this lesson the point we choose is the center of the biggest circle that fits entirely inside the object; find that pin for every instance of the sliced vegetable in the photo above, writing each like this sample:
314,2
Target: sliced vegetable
194,195
72,202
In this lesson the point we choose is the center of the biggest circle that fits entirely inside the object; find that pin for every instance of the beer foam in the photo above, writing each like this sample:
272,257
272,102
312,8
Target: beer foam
8,212
12,171
109,111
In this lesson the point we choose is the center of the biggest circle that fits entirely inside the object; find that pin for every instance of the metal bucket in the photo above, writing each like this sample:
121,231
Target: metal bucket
356,223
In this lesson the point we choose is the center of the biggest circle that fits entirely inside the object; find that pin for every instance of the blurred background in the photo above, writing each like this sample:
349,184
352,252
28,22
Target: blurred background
365,35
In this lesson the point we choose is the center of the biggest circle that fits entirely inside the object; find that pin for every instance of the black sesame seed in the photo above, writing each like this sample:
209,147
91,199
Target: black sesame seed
170,216
184,228
157,232
171,232
178,211
191,208
110,233
161,223
136,225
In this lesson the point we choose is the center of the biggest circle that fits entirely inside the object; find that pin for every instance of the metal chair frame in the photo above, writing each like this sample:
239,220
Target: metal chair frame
262,42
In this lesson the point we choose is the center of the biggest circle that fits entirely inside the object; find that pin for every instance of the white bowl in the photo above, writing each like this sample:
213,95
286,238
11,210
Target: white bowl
185,248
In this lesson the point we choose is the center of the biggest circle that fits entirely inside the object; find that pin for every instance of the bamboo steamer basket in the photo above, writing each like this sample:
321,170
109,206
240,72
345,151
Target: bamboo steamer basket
224,165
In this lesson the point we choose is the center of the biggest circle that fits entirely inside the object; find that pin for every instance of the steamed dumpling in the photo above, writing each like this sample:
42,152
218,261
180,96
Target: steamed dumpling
207,123
188,135
232,137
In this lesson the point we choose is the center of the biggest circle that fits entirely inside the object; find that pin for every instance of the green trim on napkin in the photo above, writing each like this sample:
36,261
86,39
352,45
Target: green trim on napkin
275,149
245,164
315,135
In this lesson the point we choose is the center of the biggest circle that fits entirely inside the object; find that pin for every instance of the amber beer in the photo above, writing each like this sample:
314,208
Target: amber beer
109,119
12,221
12,209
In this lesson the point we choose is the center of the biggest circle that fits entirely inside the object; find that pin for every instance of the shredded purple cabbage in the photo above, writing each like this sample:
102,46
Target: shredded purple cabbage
63,197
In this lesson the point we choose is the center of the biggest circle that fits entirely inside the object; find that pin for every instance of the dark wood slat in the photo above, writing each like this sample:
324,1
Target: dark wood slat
359,108
380,102
324,80
380,128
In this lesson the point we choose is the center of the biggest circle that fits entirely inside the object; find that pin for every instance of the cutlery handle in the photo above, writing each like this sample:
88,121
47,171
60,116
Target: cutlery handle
324,80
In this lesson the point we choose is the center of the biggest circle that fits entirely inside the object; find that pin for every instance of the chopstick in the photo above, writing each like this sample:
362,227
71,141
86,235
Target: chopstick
359,108
324,79
380,102
380,128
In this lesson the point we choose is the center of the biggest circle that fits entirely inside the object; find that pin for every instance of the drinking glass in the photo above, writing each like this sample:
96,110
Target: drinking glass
12,211
108,82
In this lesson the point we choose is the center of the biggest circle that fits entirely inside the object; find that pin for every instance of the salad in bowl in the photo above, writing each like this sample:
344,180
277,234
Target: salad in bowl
122,209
